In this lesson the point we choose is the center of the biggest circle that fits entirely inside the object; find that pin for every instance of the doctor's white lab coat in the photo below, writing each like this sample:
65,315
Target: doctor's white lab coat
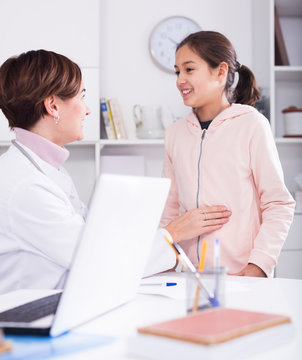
41,220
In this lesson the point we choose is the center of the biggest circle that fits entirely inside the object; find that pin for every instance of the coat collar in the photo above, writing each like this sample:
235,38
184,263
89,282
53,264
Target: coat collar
45,149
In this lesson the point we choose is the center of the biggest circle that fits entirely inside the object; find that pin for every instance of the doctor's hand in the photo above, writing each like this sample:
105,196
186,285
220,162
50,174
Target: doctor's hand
197,222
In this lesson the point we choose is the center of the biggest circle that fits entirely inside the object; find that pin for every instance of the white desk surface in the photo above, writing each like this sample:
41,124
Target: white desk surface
282,296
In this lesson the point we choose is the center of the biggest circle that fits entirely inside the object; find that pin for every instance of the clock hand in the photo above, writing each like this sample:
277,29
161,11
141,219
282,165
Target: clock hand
172,40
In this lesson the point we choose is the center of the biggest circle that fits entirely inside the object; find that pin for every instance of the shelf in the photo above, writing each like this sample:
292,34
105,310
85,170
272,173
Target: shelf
83,143
288,73
132,142
74,144
281,140
103,142
289,7
144,142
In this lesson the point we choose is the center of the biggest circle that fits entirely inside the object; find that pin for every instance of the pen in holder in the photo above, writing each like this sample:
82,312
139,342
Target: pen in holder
214,279
193,272
200,268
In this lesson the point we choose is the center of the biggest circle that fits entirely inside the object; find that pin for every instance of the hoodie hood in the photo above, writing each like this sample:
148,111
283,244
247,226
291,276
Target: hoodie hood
229,113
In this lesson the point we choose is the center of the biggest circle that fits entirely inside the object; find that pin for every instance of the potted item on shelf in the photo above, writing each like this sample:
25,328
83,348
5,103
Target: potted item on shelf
292,121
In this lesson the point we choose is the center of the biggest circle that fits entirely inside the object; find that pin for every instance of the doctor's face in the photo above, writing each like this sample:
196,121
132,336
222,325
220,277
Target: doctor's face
72,114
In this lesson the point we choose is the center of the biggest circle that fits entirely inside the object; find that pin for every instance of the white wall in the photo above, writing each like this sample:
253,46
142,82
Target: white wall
58,25
126,68
69,27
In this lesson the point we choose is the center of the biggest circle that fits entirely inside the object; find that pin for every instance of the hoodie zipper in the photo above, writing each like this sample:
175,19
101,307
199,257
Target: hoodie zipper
198,184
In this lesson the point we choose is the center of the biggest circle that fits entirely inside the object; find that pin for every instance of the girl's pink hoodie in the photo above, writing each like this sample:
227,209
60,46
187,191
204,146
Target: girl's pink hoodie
234,163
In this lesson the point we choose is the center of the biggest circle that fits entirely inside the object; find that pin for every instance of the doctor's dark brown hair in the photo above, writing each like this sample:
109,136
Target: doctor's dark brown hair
28,79
214,48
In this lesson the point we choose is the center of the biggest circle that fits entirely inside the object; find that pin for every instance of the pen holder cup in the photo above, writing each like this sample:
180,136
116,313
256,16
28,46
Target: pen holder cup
214,281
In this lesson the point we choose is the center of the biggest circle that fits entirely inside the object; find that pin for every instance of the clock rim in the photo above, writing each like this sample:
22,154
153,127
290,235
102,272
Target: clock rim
151,50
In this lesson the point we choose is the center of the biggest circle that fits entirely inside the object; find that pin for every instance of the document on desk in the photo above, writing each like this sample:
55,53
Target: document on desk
157,285
37,348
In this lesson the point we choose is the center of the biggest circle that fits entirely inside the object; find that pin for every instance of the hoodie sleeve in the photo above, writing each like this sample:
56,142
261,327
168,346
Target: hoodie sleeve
171,210
275,202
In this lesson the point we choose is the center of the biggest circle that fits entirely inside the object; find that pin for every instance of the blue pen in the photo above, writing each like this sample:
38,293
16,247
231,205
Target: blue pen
217,254
160,284
217,265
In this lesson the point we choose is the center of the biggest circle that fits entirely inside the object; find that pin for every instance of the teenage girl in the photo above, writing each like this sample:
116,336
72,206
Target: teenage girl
224,153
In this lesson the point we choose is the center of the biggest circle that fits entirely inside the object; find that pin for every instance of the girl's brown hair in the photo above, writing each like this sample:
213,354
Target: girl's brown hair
28,79
215,48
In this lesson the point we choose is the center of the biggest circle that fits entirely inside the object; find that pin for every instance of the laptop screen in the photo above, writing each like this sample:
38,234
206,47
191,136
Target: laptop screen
112,253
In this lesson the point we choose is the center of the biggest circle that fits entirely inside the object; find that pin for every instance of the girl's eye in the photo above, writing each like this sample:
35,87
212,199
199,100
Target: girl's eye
189,69
176,72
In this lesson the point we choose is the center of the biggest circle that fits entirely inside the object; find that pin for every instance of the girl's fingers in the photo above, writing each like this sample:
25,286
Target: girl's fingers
216,208
216,215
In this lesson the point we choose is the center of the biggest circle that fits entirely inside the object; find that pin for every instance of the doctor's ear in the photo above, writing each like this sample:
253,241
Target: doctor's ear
51,106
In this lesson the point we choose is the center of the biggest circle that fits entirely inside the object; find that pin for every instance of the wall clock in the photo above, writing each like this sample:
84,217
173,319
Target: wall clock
166,35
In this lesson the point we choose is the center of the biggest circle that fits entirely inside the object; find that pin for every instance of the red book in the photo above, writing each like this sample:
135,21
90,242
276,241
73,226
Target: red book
212,334
215,325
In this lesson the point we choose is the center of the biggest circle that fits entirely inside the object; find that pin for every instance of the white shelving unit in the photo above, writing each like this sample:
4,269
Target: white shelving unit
287,80
286,90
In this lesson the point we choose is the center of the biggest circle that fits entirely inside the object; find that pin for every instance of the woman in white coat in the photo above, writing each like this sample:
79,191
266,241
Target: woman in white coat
41,216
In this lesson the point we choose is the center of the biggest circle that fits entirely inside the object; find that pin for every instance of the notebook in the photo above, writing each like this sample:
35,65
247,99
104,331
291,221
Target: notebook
111,255
215,326
220,333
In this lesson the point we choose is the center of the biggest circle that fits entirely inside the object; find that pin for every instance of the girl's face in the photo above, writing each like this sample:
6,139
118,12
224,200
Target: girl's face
72,114
198,84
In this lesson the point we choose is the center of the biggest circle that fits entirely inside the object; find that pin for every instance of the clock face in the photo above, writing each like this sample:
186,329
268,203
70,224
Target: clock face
165,38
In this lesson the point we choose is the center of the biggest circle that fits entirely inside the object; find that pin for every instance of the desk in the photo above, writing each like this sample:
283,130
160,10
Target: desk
282,296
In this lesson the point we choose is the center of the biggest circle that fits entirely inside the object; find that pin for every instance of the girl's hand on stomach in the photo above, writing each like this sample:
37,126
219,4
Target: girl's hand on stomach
197,222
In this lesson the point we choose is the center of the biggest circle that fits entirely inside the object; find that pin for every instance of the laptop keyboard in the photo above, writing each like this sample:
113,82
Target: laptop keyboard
33,310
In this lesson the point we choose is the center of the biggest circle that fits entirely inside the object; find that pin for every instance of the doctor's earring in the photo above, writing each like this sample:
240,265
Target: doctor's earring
56,119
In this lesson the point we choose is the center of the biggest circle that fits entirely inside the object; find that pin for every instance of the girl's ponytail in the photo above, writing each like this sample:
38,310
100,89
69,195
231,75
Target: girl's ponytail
246,91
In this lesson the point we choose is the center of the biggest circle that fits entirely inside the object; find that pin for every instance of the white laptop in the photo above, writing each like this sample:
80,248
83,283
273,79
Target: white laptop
109,261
